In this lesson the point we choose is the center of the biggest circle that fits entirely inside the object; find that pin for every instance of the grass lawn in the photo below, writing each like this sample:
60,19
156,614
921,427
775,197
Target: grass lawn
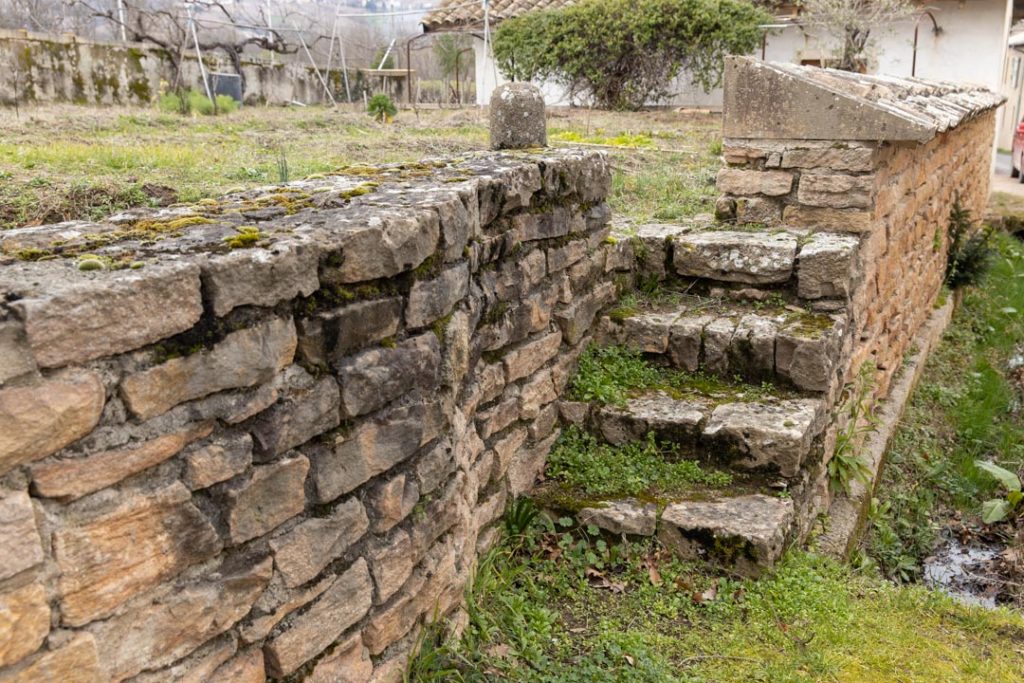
67,162
550,605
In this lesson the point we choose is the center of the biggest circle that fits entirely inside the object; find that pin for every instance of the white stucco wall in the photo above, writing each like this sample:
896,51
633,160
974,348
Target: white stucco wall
971,48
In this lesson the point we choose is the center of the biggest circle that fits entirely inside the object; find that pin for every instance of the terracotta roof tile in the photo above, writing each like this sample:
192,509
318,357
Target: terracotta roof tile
467,14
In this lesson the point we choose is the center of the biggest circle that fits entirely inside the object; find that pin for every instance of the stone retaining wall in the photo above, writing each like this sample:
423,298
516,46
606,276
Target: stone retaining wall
882,158
40,68
267,436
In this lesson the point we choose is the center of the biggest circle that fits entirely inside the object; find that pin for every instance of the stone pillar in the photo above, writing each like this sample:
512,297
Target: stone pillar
517,117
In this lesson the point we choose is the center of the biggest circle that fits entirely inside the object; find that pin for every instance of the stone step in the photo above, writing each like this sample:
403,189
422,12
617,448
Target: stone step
822,265
772,435
745,534
787,345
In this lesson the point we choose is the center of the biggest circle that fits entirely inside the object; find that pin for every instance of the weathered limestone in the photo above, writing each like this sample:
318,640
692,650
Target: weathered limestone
622,517
273,495
217,462
74,478
24,622
517,117
304,413
244,358
344,603
827,266
74,662
375,377
300,554
771,183
430,300
40,419
776,435
19,536
159,633
78,316
669,418
755,258
260,277
144,540
746,533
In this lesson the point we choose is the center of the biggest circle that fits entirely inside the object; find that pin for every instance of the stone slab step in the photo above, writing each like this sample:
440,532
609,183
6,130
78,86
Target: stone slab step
771,435
746,534
824,265
800,348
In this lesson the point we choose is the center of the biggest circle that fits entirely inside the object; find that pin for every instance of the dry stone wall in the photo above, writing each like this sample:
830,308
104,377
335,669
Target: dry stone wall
883,159
265,437
46,68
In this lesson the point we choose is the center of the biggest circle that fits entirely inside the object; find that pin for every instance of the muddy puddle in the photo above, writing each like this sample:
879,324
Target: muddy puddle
965,571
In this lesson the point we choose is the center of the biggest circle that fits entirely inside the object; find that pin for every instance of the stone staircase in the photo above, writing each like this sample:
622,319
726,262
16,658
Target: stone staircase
755,322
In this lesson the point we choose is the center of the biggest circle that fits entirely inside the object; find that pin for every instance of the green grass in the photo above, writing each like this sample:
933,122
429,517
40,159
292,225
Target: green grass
610,375
596,470
965,409
108,159
555,605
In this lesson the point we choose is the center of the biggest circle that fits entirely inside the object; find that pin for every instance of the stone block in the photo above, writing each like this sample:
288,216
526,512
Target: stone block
686,339
380,245
301,415
517,117
271,496
576,318
775,435
836,191
817,218
435,466
852,159
107,560
750,257
24,622
391,501
391,564
535,394
758,210
15,355
433,299
371,379
41,419
245,667
78,316
278,606
670,419
622,517
348,662
749,182
244,358
261,276
73,478
19,537
354,326
373,447
198,667
168,628
347,601
560,258
74,662
498,417
526,465
303,552
746,533
826,266
218,461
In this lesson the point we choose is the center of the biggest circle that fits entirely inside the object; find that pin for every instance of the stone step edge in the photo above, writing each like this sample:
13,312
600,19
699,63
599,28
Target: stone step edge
704,424
745,540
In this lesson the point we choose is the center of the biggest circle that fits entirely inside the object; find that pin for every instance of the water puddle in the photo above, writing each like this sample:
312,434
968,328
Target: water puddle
965,571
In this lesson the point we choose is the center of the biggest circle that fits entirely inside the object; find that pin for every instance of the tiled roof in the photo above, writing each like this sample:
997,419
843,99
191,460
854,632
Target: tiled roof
466,14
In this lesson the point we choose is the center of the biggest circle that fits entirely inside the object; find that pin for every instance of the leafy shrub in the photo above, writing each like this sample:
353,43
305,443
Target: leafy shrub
970,250
381,108
998,509
624,53
608,374
185,102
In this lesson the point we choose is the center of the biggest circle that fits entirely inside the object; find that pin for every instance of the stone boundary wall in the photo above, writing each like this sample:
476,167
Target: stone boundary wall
266,437
38,68
813,150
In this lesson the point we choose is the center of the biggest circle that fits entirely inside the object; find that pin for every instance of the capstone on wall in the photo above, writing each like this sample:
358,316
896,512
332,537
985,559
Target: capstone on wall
267,436
882,158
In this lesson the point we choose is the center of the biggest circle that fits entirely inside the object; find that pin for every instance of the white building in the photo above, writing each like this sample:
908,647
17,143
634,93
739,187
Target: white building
954,40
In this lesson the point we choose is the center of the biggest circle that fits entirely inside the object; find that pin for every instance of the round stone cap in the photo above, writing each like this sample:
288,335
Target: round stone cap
517,117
